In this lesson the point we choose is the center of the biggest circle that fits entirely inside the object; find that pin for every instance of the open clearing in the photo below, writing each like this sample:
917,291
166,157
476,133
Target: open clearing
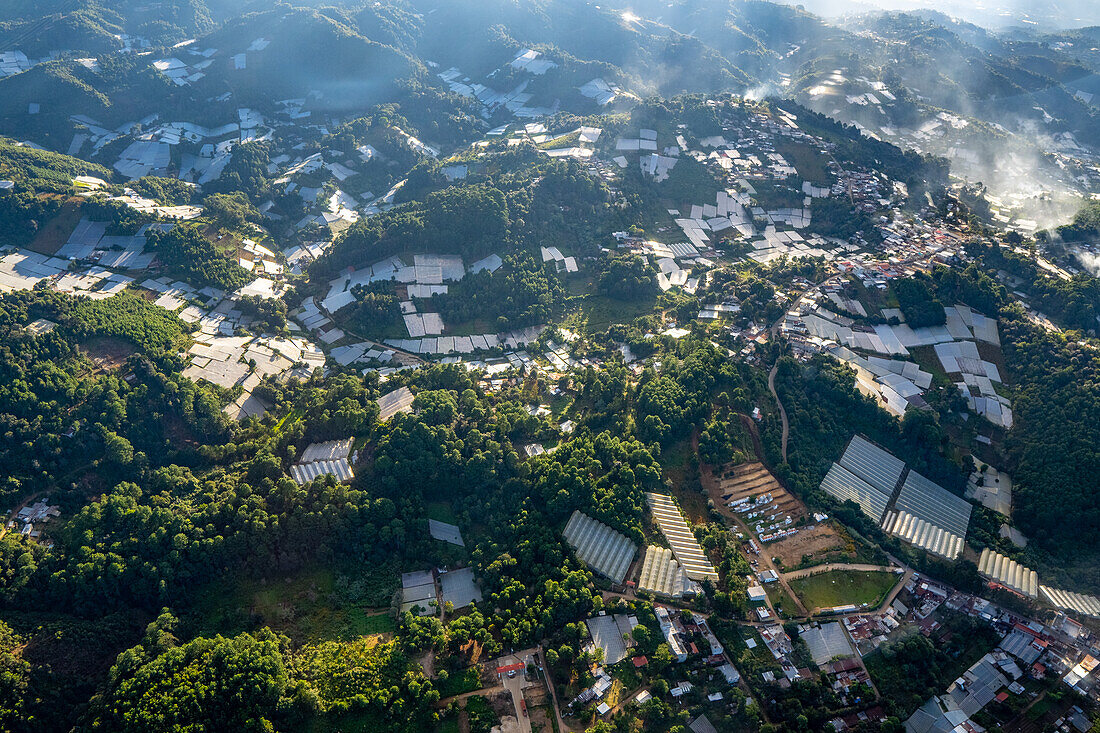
821,543
309,606
107,352
54,233
843,587
810,163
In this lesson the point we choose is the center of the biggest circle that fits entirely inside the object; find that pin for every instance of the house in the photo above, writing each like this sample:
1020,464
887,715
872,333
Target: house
670,634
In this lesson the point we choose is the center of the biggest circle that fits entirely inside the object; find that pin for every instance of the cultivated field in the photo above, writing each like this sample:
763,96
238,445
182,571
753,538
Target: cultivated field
750,480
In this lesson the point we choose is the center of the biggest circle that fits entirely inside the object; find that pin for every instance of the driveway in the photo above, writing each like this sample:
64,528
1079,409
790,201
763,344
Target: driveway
515,685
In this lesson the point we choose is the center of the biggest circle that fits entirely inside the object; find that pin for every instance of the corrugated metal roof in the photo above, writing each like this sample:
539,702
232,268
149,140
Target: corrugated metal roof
923,534
598,546
872,464
680,537
328,451
934,504
661,574
827,642
843,485
391,403
1079,602
303,473
1009,573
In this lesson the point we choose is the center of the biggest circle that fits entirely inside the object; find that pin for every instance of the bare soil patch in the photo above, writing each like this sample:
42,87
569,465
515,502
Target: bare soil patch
750,481
821,543
107,352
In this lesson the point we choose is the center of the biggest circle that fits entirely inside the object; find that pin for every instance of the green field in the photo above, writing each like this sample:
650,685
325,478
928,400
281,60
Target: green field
810,163
781,600
441,511
466,680
842,587
310,606
597,312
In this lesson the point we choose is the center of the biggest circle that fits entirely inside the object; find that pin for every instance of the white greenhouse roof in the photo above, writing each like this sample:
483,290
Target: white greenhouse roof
598,546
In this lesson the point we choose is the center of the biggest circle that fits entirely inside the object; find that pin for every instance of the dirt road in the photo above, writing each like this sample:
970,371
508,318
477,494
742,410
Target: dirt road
782,412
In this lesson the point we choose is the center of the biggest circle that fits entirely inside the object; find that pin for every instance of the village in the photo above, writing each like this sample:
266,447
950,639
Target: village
759,212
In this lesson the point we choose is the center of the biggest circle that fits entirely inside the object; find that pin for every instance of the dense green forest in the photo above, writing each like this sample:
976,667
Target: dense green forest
182,497
190,256
1055,408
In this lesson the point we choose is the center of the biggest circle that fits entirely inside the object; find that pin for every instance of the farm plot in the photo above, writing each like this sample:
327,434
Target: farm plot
752,495
812,546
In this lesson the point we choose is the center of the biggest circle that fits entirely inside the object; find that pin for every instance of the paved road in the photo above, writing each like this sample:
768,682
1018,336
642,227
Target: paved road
804,572
515,685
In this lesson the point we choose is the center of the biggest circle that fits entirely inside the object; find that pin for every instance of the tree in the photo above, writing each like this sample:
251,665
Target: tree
918,303
662,657
230,210
190,256
14,673
211,685
436,406
118,450
628,277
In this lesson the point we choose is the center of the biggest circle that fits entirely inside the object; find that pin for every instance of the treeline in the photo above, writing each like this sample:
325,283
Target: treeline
522,201
523,292
1074,302
824,410
466,220
1053,444
190,256
918,302
909,670
694,372
628,277
63,419
41,180
1085,226
913,169
836,217
42,171
257,682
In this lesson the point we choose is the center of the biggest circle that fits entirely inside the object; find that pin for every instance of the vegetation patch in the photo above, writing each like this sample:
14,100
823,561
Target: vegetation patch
312,605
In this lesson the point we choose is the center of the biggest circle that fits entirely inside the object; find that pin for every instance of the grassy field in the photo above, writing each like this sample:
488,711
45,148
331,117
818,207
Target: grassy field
457,683
568,140
309,606
441,511
810,164
676,466
596,312
782,600
56,231
841,587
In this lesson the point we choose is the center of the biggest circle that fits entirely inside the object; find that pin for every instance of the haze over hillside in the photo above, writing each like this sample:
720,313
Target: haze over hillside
1043,15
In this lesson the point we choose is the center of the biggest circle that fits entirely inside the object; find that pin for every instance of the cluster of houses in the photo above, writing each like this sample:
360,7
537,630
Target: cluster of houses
29,520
